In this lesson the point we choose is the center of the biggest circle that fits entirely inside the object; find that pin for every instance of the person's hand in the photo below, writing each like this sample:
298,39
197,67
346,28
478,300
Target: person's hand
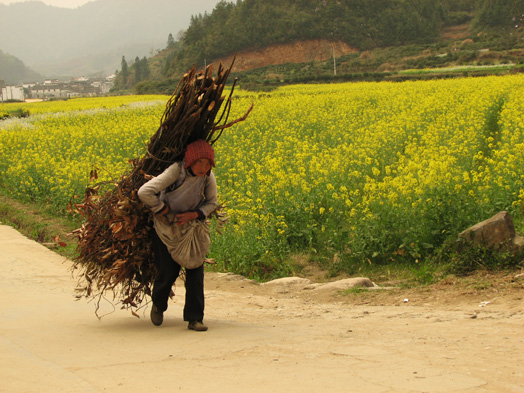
183,218
162,215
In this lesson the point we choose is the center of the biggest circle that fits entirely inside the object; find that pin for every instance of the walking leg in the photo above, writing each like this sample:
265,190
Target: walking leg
194,305
167,273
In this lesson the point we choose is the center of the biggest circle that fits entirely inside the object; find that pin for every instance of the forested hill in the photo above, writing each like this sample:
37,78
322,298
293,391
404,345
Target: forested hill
361,24
14,71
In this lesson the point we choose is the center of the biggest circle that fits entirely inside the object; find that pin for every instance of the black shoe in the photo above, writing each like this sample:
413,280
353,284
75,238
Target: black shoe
157,316
197,325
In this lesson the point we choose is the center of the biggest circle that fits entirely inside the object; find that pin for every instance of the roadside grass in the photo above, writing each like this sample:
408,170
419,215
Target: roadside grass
42,224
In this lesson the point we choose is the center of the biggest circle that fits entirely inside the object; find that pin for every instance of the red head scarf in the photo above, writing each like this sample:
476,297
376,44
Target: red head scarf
197,150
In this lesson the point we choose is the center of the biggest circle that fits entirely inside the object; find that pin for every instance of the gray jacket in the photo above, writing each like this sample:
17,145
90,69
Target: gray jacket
195,193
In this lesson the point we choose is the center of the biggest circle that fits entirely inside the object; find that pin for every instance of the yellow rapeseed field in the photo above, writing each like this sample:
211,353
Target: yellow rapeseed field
353,173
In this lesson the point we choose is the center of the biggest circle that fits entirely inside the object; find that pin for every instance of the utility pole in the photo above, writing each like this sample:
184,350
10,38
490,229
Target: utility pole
334,63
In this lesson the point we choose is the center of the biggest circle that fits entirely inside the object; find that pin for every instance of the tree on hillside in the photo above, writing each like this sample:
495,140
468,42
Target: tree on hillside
195,31
122,80
169,64
146,71
498,13
410,22
138,70
170,42
124,70
141,69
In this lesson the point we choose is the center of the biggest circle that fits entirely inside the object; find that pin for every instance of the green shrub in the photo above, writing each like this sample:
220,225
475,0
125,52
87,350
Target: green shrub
471,259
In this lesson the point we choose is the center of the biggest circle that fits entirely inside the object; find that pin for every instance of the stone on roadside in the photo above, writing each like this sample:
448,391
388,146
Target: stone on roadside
288,282
348,283
497,233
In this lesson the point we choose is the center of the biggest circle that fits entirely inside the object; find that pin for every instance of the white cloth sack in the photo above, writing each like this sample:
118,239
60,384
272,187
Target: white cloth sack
188,243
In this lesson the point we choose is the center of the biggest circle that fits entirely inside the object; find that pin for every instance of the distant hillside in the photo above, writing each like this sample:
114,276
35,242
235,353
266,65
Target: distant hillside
365,36
92,38
13,71
361,24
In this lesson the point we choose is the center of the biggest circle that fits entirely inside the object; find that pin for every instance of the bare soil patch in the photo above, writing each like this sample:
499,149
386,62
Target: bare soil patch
298,52
455,32
476,290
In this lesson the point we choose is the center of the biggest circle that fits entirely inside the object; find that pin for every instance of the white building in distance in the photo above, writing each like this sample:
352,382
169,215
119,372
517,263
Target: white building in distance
12,93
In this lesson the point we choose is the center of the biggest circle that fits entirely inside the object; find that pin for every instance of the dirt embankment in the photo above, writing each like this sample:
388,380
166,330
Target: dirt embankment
297,52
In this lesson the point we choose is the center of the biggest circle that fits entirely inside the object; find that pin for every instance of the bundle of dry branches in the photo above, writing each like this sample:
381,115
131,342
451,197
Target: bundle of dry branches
114,247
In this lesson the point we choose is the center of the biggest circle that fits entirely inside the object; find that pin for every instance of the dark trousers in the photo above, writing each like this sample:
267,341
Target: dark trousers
167,273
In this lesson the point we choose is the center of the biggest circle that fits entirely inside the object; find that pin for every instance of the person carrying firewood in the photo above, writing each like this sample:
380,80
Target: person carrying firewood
181,198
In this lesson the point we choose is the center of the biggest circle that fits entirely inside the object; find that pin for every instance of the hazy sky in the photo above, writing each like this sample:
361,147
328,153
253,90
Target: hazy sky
78,3
56,3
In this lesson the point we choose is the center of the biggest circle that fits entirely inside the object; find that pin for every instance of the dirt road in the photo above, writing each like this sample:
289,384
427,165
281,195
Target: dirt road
279,337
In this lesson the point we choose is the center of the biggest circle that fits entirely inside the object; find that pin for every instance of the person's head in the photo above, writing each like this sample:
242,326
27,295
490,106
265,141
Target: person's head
200,157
